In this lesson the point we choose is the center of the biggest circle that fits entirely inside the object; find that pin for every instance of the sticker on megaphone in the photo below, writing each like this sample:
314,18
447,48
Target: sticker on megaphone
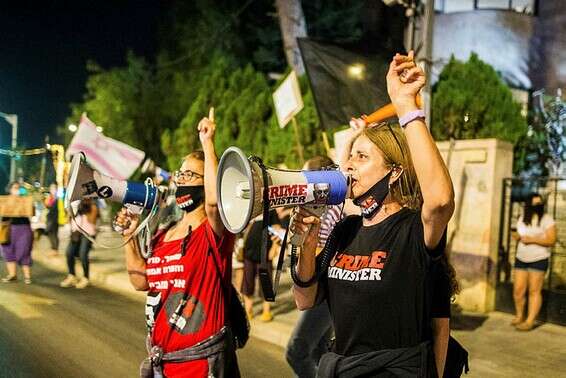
298,194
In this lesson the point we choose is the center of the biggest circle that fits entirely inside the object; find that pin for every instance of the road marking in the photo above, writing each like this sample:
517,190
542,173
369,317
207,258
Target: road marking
24,306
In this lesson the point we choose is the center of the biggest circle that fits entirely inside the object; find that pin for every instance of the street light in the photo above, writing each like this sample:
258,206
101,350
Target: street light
12,119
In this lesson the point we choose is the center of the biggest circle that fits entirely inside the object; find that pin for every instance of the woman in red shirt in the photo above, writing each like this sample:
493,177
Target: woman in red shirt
185,307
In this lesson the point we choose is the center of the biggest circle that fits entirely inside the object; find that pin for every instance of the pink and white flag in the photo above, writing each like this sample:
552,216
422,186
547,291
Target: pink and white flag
108,156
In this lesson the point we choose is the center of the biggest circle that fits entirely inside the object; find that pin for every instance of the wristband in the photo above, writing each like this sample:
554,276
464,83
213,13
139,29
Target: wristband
411,116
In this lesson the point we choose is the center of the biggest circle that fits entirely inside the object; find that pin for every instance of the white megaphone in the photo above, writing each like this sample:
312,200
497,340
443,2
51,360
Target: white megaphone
241,185
85,182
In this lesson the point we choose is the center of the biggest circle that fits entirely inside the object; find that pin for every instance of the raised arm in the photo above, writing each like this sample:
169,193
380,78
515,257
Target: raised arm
206,128
404,81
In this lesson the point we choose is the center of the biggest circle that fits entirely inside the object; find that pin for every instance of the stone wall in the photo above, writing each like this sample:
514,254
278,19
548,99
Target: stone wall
477,168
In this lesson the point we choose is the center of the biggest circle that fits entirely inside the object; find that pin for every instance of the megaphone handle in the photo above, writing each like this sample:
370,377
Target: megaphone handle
315,210
298,240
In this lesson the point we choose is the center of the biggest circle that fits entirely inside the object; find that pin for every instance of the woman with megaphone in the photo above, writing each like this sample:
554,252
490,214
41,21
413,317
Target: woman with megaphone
378,283
186,276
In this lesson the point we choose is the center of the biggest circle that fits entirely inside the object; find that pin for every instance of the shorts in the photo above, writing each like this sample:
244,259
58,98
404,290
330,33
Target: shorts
539,266
251,270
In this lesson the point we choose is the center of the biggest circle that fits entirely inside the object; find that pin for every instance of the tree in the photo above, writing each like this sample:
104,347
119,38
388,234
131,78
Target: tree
282,143
128,103
293,26
241,99
471,101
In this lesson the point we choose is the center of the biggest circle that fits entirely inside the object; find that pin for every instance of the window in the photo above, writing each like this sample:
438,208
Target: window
450,6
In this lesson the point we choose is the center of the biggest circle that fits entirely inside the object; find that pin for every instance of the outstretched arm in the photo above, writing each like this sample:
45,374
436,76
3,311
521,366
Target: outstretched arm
404,81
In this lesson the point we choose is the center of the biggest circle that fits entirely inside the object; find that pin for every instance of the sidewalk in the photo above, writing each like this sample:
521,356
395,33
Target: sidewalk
496,349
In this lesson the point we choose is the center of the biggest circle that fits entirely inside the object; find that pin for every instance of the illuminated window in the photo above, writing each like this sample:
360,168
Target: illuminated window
451,6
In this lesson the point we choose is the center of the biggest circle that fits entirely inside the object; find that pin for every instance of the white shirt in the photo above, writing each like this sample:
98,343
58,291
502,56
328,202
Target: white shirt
533,252
82,221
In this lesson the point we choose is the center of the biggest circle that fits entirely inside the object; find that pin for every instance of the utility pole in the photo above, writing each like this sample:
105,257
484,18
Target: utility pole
428,31
12,119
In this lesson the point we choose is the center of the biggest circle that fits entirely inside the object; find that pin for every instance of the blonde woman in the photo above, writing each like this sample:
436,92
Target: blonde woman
378,284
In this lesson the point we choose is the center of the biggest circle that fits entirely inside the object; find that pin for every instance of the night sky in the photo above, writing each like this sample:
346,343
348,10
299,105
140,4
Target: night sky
44,47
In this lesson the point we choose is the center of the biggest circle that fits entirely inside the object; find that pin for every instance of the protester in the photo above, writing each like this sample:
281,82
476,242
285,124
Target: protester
52,224
80,245
238,262
311,336
536,234
186,302
381,273
252,259
18,250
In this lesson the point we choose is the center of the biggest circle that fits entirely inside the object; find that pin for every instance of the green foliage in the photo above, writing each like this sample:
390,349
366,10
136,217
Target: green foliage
212,56
531,152
282,142
470,101
241,100
127,102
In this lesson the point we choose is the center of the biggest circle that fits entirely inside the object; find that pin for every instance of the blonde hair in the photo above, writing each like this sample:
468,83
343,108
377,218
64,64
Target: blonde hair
391,142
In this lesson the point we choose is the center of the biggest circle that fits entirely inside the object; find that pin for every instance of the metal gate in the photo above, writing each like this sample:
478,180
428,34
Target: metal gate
553,191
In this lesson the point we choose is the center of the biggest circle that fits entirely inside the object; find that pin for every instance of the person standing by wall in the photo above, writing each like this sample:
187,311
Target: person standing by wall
536,234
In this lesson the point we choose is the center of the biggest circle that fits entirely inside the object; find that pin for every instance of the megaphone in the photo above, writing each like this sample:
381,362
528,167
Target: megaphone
85,182
240,187
149,167
246,188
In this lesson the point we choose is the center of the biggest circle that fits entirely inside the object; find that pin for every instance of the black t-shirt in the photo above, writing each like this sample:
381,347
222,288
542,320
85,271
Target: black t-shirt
17,220
377,286
440,291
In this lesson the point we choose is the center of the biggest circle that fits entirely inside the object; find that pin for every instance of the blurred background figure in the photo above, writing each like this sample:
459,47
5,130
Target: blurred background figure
536,234
238,262
18,250
252,260
52,221
79,244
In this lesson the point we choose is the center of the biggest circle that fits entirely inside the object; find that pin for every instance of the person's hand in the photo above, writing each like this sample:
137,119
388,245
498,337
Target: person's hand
404,81
357,125
305,224
125,222
206,128
526,239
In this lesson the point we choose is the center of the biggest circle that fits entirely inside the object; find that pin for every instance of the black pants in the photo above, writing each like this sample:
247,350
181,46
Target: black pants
80,249
52,232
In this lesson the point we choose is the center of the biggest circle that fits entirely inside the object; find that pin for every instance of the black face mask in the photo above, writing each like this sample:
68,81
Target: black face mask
189,197
371,201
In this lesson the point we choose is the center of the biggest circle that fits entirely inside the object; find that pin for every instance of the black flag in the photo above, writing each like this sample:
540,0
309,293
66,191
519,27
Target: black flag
347,81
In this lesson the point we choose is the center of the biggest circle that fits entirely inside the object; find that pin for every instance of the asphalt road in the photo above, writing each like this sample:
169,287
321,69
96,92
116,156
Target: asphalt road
47,331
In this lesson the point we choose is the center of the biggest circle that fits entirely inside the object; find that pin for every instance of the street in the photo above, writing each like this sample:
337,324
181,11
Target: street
47,331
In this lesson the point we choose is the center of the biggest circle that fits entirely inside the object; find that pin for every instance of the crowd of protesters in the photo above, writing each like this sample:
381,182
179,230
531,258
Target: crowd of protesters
394,319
